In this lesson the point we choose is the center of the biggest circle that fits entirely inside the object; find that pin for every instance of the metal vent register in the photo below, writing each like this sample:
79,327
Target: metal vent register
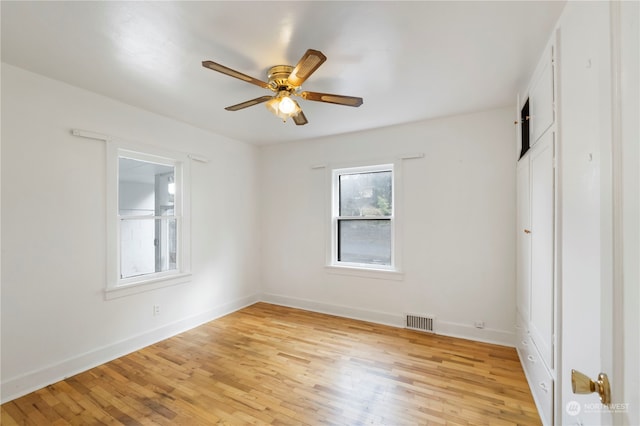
420,322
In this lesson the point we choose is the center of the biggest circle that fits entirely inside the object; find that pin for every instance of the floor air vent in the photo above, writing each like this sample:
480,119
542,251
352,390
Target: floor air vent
420,322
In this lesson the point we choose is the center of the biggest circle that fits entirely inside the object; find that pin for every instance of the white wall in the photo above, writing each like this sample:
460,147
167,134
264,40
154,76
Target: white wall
55,320
458,225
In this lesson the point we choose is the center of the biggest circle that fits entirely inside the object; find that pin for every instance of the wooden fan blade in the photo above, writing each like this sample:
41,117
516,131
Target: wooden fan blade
332,99
247,104
233,73
309,62
300,119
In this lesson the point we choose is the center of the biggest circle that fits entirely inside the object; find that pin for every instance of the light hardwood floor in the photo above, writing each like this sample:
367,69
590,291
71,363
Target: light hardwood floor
268,364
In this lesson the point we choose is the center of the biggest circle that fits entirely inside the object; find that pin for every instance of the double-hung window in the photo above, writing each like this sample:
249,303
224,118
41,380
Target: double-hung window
148,217
148,224
363,217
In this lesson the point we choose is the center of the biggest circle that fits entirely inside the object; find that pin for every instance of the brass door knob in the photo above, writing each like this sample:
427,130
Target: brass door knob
582,384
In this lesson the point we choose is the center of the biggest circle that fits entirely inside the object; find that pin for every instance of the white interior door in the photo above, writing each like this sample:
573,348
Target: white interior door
585,100
599,232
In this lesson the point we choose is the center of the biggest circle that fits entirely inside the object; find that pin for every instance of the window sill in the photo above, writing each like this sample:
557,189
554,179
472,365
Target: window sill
379,274
146,285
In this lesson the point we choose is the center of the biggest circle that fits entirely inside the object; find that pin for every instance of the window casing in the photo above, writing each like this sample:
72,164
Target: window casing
363,218
148,219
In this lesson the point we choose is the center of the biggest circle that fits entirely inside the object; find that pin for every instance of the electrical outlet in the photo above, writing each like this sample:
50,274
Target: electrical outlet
478,324
156,310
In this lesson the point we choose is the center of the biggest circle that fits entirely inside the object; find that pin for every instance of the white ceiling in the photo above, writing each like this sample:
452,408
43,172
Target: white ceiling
409,60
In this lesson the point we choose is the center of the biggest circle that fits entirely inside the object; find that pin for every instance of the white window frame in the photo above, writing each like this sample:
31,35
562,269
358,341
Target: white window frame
392,271
117,286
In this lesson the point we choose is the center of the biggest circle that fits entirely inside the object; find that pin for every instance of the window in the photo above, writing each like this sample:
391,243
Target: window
148,220
363,218
148,223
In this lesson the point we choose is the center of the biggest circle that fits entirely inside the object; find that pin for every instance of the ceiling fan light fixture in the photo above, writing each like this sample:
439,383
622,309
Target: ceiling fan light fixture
283,106
285,81
287,105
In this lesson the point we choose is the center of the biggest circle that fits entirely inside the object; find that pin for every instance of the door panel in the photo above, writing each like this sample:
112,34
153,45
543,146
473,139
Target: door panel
542,247
541,98
585,191
523,229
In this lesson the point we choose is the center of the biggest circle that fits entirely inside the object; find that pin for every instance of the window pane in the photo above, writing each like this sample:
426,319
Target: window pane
365,194
364,241
147,246
144,188
167,245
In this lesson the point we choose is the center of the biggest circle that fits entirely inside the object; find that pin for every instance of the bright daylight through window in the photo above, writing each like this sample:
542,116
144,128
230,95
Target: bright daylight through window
148,220
363,217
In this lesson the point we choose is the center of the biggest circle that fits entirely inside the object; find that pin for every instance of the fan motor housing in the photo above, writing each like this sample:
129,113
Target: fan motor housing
279,77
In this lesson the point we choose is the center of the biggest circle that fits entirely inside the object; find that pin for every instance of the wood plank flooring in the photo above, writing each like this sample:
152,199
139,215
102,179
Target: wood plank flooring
268,364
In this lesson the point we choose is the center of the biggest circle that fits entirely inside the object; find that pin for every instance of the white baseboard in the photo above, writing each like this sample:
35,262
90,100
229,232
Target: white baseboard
337,310
444,328
485,335
18,386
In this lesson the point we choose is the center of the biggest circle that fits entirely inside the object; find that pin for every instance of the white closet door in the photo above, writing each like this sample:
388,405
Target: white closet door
542,246
523,224
541,97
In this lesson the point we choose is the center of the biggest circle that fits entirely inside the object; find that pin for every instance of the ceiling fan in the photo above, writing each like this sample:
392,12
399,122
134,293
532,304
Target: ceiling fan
285,81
